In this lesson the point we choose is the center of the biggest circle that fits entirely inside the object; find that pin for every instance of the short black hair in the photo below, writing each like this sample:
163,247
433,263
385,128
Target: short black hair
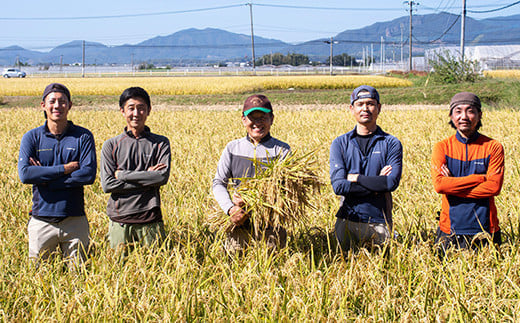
132,93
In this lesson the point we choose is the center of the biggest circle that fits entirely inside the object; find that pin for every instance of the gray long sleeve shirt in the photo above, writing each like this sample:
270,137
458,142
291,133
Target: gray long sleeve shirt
236,162
136,189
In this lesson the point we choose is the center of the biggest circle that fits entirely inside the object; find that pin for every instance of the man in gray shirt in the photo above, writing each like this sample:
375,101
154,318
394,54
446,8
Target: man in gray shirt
237,162
134,165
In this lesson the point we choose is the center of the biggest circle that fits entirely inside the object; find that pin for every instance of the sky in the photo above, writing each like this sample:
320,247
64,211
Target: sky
40,25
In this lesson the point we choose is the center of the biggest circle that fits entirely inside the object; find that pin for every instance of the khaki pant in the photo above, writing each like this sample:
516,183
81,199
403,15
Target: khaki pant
353,234
120,234
238,239
71,236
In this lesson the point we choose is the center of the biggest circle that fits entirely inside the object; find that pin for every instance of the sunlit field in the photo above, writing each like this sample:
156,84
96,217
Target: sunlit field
190,278
514,74
196,85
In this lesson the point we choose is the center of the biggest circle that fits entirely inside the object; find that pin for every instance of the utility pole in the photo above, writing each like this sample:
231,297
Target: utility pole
402,57
330,56
252,35
382,40
132,55
331,41
61,63
372,61
411,4
462,32
83,61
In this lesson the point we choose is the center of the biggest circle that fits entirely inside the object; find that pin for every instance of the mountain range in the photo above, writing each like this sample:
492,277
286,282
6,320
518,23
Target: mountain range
195,46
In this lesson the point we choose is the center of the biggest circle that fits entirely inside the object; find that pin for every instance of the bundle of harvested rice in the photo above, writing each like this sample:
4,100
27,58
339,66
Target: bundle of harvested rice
278,195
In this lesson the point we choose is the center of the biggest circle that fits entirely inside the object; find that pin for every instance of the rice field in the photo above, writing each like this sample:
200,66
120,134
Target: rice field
195,85
513,74
190,278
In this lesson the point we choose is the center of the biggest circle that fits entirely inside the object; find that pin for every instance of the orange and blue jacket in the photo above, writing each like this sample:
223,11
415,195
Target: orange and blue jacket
477,173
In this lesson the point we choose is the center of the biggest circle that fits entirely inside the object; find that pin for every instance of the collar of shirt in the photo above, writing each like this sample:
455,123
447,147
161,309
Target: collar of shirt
145,132
266,138
469,140
47,132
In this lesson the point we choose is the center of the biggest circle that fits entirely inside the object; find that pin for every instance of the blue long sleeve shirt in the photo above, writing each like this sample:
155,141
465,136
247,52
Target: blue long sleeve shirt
56,194
368,204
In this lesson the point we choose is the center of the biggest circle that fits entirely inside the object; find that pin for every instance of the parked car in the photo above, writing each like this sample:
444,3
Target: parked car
13,72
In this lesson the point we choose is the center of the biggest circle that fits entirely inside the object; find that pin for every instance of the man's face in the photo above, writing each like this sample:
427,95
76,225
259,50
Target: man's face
365,111
56,105
135,112
258,124
465,118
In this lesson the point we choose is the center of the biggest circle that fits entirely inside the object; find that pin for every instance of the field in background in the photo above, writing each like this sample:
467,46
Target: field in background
195,85
515,74
190,277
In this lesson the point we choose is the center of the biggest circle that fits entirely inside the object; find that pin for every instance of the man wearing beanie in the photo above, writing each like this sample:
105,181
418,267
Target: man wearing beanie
365,167
238,161
58,159
468,170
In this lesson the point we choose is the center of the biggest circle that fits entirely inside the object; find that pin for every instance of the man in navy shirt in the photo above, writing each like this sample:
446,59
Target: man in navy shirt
58,159
365,166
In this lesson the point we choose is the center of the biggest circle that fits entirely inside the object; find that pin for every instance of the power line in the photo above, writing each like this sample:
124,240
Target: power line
120,16
497,9
326,8
442,35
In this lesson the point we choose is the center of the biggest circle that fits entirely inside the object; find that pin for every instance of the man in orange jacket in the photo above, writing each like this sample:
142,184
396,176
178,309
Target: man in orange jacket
468,170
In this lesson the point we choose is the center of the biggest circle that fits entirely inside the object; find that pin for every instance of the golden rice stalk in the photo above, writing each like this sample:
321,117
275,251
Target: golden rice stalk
278,195
218,221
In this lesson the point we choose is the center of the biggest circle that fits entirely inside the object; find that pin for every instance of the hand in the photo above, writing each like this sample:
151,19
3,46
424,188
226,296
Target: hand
238,201
238,215
156,167
445,171
386,170
34,162
70,167
352,177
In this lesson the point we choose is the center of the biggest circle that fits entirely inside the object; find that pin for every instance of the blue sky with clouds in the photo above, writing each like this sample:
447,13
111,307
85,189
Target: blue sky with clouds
40,25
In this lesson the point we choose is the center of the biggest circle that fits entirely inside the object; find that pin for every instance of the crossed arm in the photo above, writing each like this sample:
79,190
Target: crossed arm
345,181
69,175
471,186
116,180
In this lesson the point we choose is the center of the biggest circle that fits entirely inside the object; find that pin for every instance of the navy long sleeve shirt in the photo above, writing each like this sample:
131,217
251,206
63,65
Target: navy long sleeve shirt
56,194
367,204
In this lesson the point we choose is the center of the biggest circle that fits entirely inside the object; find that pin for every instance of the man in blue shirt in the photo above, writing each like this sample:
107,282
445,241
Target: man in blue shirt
365,166
58,159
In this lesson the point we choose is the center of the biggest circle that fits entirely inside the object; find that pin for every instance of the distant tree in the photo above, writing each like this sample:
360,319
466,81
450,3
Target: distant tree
450,69
296,59
342,60
276,59
145,66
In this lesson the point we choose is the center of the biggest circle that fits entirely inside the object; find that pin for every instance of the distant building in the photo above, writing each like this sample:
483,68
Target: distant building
489,57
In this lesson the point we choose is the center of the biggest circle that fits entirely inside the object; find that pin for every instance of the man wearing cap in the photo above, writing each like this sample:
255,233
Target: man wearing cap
134,165
365,166
58,159
468,170
237,161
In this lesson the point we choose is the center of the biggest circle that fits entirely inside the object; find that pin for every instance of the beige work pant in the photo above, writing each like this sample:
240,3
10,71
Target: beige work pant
71,236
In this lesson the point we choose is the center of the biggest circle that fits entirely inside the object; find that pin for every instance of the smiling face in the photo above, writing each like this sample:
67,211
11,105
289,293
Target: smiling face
365,111
135,111
258,124
465,118
56,106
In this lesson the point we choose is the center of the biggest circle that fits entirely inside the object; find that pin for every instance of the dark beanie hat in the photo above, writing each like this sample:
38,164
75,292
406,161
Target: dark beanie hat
465,98
56,87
